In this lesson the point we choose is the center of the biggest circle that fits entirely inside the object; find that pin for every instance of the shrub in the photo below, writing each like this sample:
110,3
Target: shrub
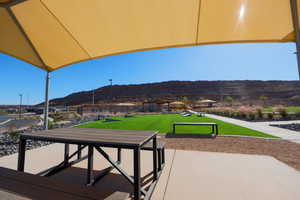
226,113
243,114
263,99
14,136
251,116
271,115
297,114
283,113
238,114
50,124
11,128
229,100
260,113
12,131
57,117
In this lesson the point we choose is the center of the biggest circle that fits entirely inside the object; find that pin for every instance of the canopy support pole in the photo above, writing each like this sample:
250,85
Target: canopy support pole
46,106
295,15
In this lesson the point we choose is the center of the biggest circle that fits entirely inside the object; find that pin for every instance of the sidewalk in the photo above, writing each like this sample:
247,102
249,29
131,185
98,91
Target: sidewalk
264,127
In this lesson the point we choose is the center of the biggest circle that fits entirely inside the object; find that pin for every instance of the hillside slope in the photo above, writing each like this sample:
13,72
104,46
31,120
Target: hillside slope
286,92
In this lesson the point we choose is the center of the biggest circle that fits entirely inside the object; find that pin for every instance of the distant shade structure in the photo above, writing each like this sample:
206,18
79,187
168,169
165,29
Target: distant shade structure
51,34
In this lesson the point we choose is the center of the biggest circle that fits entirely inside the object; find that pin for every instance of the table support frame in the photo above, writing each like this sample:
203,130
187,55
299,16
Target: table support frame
90,179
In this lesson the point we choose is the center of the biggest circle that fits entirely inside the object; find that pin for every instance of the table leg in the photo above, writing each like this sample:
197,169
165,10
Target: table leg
154,158
119,159
79,151
21,156
217,130
159,159
163,155
137,173
173,128
213,129
89,178
67,151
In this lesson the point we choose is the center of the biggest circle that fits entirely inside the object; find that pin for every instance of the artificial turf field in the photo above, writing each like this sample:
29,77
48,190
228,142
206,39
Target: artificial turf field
163,124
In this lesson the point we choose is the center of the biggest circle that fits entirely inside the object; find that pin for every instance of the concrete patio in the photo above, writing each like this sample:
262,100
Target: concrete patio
187,174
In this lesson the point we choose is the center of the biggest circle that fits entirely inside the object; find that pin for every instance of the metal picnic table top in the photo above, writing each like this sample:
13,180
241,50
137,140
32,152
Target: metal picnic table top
103,137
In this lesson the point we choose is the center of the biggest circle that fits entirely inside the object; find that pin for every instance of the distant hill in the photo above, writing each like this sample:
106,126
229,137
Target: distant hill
285,92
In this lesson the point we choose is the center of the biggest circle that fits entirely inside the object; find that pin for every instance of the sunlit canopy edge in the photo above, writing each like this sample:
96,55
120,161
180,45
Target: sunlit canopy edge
74,32
147,49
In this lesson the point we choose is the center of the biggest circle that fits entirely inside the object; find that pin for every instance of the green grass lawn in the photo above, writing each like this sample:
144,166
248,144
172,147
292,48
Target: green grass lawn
163,124
288,109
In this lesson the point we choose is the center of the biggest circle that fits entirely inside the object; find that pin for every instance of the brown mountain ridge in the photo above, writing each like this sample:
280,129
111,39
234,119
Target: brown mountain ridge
284,92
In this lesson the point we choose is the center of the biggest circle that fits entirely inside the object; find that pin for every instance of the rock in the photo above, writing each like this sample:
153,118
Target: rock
293,126
9,146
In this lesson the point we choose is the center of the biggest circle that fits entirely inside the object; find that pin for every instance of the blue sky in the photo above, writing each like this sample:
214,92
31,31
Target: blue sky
212,62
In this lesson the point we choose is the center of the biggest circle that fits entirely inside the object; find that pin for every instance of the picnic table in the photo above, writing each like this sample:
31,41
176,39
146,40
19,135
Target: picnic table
215,130
96,139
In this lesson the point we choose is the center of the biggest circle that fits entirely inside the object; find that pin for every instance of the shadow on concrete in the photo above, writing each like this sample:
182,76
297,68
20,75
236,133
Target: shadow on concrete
67,185
111,186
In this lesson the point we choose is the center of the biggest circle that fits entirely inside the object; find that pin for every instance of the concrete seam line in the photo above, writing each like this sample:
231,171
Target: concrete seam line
169,175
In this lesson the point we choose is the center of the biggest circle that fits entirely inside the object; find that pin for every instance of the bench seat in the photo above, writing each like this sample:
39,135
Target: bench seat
194,123
15,185
160,152
149,145
214,126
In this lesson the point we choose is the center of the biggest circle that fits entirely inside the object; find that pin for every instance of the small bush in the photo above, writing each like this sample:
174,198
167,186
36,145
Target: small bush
251,116
50,124
226,113
283,113
11,128
238,114
297,114
12,131
243,114
260,114
270,115
57,117
14,136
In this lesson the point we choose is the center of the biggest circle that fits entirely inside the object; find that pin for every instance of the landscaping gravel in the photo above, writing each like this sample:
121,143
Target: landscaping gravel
293,126
9,142
285,151
10,146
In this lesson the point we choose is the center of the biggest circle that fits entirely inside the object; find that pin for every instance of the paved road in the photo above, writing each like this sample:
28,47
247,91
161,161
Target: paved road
264,127
4,118
8,121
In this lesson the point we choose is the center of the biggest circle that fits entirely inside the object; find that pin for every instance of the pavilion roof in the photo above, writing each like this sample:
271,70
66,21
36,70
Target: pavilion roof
51,34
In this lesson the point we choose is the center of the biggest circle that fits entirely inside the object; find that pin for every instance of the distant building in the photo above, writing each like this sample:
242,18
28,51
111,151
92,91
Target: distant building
204,103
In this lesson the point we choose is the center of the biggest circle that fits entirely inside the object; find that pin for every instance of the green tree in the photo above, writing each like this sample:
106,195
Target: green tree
263,99
185,100
229,100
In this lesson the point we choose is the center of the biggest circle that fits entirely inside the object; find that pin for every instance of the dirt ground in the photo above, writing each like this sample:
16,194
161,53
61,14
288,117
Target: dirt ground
285,151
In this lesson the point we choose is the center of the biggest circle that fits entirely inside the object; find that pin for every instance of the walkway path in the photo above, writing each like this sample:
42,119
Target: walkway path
264,127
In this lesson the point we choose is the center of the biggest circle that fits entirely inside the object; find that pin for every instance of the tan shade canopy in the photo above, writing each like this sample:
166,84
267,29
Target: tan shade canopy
51,34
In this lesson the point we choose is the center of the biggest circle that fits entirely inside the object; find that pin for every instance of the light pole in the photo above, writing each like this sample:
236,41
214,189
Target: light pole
110,91
20,107
93,97
110,80
46,106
